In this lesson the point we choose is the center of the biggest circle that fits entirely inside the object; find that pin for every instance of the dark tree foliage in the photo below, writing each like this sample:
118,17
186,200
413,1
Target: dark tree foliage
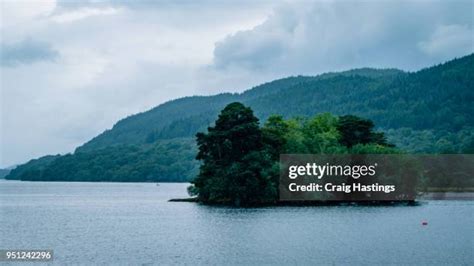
355,130
274,132
233,160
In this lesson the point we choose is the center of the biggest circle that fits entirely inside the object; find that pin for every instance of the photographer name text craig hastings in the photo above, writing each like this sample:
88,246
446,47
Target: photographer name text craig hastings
343,187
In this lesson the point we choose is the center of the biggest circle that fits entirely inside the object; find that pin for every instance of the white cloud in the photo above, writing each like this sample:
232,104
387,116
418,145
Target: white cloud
24,11
79,14
448,41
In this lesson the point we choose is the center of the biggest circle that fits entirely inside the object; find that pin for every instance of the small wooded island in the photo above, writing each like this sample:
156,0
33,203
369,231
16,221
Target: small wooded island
240,159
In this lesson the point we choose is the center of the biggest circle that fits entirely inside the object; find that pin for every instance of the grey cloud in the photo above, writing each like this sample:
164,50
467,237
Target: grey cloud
162,3
449,40
27,51
308,38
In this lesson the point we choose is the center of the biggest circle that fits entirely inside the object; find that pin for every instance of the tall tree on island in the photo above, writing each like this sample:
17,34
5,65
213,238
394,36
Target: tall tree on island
356,130
234,161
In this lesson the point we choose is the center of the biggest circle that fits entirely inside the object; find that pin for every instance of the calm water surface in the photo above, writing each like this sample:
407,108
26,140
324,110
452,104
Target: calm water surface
123,223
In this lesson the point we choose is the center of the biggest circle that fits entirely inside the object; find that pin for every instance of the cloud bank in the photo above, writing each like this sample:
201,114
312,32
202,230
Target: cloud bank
325,36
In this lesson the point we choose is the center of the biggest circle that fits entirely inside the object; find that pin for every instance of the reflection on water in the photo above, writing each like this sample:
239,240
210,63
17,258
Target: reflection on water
132,223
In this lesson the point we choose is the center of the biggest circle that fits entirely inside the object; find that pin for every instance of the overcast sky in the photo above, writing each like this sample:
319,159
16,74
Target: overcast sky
70,69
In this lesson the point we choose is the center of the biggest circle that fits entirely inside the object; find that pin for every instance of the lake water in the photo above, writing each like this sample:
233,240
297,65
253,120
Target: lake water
133,223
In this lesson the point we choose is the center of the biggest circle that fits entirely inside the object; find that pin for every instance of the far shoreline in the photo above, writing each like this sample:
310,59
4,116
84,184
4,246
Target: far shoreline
459,196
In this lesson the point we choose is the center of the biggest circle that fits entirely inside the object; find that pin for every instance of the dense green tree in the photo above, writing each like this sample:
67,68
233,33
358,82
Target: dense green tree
321,134
233,160
355,130
275,133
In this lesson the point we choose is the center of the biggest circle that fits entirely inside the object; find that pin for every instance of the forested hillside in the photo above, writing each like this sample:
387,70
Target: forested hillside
123,163
428,111
186,116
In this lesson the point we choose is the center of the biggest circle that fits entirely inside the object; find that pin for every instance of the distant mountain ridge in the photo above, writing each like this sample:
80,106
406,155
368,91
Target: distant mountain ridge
426,111
199,111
